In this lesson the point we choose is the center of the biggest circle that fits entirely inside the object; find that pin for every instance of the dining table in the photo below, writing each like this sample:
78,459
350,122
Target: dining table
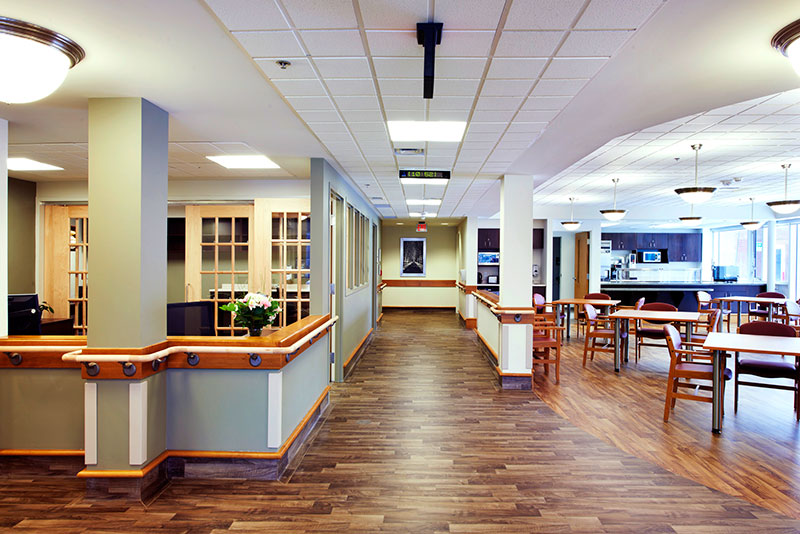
622,320
597,303
772,302
722,343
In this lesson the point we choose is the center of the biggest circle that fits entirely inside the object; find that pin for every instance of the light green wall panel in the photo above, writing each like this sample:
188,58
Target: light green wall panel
304,379
21,236
112,425
41,409
156,414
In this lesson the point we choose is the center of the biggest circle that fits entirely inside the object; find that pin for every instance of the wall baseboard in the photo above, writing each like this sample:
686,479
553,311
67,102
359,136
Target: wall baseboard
359,351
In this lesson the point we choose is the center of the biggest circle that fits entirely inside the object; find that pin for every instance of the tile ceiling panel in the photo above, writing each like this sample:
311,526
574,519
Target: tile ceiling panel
357,64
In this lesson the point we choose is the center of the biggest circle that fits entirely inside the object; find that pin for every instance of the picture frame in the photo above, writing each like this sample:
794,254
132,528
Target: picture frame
413,256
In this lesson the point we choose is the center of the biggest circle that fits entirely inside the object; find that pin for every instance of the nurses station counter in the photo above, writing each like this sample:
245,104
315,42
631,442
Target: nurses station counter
683,295
128,420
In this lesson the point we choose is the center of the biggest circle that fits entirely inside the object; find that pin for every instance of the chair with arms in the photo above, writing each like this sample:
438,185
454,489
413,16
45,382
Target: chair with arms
546,345
581,317
644,331
710,324
597,328
545,309
791,314
772,368
704,303
688,362
761,311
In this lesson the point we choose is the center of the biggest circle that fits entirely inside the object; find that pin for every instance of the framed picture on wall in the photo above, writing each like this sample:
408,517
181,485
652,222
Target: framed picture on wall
412,254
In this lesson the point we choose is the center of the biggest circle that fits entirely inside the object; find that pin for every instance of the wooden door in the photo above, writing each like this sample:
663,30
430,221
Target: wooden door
219,258
581,264
66,266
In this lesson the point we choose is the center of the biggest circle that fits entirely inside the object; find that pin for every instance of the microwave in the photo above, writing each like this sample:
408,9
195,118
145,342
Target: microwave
650,256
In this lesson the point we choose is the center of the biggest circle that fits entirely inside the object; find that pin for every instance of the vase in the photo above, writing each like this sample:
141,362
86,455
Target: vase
254,332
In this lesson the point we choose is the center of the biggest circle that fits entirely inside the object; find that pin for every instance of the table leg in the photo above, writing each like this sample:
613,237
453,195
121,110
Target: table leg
739,313
559,322
569,307
626,328
617,347
769,313
689,334
716,395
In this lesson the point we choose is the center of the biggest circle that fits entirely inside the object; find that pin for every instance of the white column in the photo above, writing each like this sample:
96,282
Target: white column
3,227
595,232
770,266
707,255
547,268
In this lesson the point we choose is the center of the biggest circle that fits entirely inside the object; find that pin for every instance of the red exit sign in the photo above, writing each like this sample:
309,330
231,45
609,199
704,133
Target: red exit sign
422,227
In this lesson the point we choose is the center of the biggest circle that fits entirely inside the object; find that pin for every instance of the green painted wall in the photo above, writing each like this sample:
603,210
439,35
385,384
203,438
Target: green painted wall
303,382
41,409
157,409
112,425
21,236
217,409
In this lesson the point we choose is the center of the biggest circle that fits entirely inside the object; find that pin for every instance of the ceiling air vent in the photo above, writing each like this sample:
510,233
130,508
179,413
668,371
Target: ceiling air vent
409,151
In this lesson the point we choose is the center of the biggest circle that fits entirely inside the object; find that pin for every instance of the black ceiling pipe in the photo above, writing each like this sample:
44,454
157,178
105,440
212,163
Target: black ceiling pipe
429,34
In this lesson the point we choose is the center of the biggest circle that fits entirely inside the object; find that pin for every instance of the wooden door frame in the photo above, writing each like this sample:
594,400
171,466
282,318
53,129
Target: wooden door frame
581,286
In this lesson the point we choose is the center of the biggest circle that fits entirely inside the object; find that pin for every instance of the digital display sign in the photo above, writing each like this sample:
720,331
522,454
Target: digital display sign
409,173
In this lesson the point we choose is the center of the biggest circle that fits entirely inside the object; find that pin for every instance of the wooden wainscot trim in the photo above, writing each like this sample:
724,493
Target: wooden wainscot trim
419,282
520,315
37,360
379,318
266,455
488,347
465,288
41,452
358,347
486,298
470,322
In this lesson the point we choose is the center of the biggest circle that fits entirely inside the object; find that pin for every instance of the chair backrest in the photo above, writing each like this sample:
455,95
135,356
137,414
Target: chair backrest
639,304
538,302
658,306
792,308
673,339
767,328
703,300
590,311
771,295
597,296
712,321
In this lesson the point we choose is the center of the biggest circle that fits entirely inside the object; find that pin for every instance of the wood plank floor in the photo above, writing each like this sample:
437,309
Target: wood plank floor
757,456
418,440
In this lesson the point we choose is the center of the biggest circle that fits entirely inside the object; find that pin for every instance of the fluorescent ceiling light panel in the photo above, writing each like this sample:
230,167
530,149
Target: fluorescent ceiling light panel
437,131
424,202
244,162
25,164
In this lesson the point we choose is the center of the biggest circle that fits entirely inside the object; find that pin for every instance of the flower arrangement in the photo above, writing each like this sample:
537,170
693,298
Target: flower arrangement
254,311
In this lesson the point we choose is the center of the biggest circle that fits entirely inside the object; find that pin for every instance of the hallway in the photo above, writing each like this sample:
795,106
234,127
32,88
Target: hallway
419,439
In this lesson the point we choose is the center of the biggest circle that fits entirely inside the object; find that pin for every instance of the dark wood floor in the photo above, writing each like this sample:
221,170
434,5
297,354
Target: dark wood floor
419,440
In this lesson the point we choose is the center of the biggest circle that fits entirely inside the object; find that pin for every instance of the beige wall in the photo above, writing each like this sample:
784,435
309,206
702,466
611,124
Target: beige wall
21,236
441,264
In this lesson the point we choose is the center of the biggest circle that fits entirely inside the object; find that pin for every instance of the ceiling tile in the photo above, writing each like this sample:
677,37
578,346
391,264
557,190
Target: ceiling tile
362,115
321,13
351,87
465,43
506,87
501,103
492,116
536,103
445,87
405,115
558,87
616,14
528,43
536,116
448,115
519,68
333,42
563,67
376,126
593,43
394,43
457,103
300,69
343,67
457,67
309,103
399,67
486,127
270,44
400,87
300,87
327,127
469,14
319,115
542,14
249,14
357,102
393,14
526,127
415,103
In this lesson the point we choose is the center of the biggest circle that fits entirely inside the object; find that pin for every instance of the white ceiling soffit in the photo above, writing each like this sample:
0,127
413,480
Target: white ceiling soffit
508,68
174,54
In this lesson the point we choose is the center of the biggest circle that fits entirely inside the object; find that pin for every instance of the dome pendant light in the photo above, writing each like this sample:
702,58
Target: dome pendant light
571,224
752,224
785,206
691,220
696,194
787,43
615,214
34,60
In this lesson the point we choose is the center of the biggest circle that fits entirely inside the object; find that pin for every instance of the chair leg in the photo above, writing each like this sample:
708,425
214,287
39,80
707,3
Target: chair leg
558,365
669,402
585,347
594,345
736,390
546,357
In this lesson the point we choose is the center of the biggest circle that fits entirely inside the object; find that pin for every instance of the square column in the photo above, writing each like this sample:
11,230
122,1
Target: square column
128,222
3,227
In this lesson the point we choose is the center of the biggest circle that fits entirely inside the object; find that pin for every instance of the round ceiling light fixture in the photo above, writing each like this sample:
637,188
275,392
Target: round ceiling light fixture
787,43
614,214
692,219
752,224
785,206
696,194
34,60
571,224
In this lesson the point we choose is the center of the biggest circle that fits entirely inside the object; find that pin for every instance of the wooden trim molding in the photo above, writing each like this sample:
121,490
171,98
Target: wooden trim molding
471,322
488,347
419,282
41,452
465,288
379,318
266,455
358,347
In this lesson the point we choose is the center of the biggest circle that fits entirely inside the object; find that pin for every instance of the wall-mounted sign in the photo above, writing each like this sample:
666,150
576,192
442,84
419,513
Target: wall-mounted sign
422,226
410,173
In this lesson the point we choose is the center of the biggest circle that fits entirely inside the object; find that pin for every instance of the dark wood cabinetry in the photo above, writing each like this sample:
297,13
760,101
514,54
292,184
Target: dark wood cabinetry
681,247
488,240
538,238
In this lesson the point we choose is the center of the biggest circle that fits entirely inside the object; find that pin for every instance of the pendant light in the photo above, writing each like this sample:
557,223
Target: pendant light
787,42
752,224
614,214
691,220
34,60
571,224
696,194
785,206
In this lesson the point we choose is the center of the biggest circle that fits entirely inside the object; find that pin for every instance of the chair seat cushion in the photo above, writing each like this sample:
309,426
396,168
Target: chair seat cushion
727,374
759,313
767,368
654,333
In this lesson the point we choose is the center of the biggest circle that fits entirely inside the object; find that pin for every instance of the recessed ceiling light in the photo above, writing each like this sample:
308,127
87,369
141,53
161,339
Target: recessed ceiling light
441,131
244,162
25,164
430,215
409,151
423,202
414,214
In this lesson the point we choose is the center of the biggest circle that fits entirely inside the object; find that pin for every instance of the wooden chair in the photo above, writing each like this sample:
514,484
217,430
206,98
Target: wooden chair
711,324
547,337
761,311
688,364
545,309
704,303
597,328
581,318
651,332
768,368
790,314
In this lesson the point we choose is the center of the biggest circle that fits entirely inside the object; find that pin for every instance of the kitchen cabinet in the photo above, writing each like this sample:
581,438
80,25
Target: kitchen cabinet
538,238
620,241
652,240
682,247
685,247
488,240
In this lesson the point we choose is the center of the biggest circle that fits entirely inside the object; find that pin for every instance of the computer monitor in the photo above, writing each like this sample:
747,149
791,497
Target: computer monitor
24,315
190,318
